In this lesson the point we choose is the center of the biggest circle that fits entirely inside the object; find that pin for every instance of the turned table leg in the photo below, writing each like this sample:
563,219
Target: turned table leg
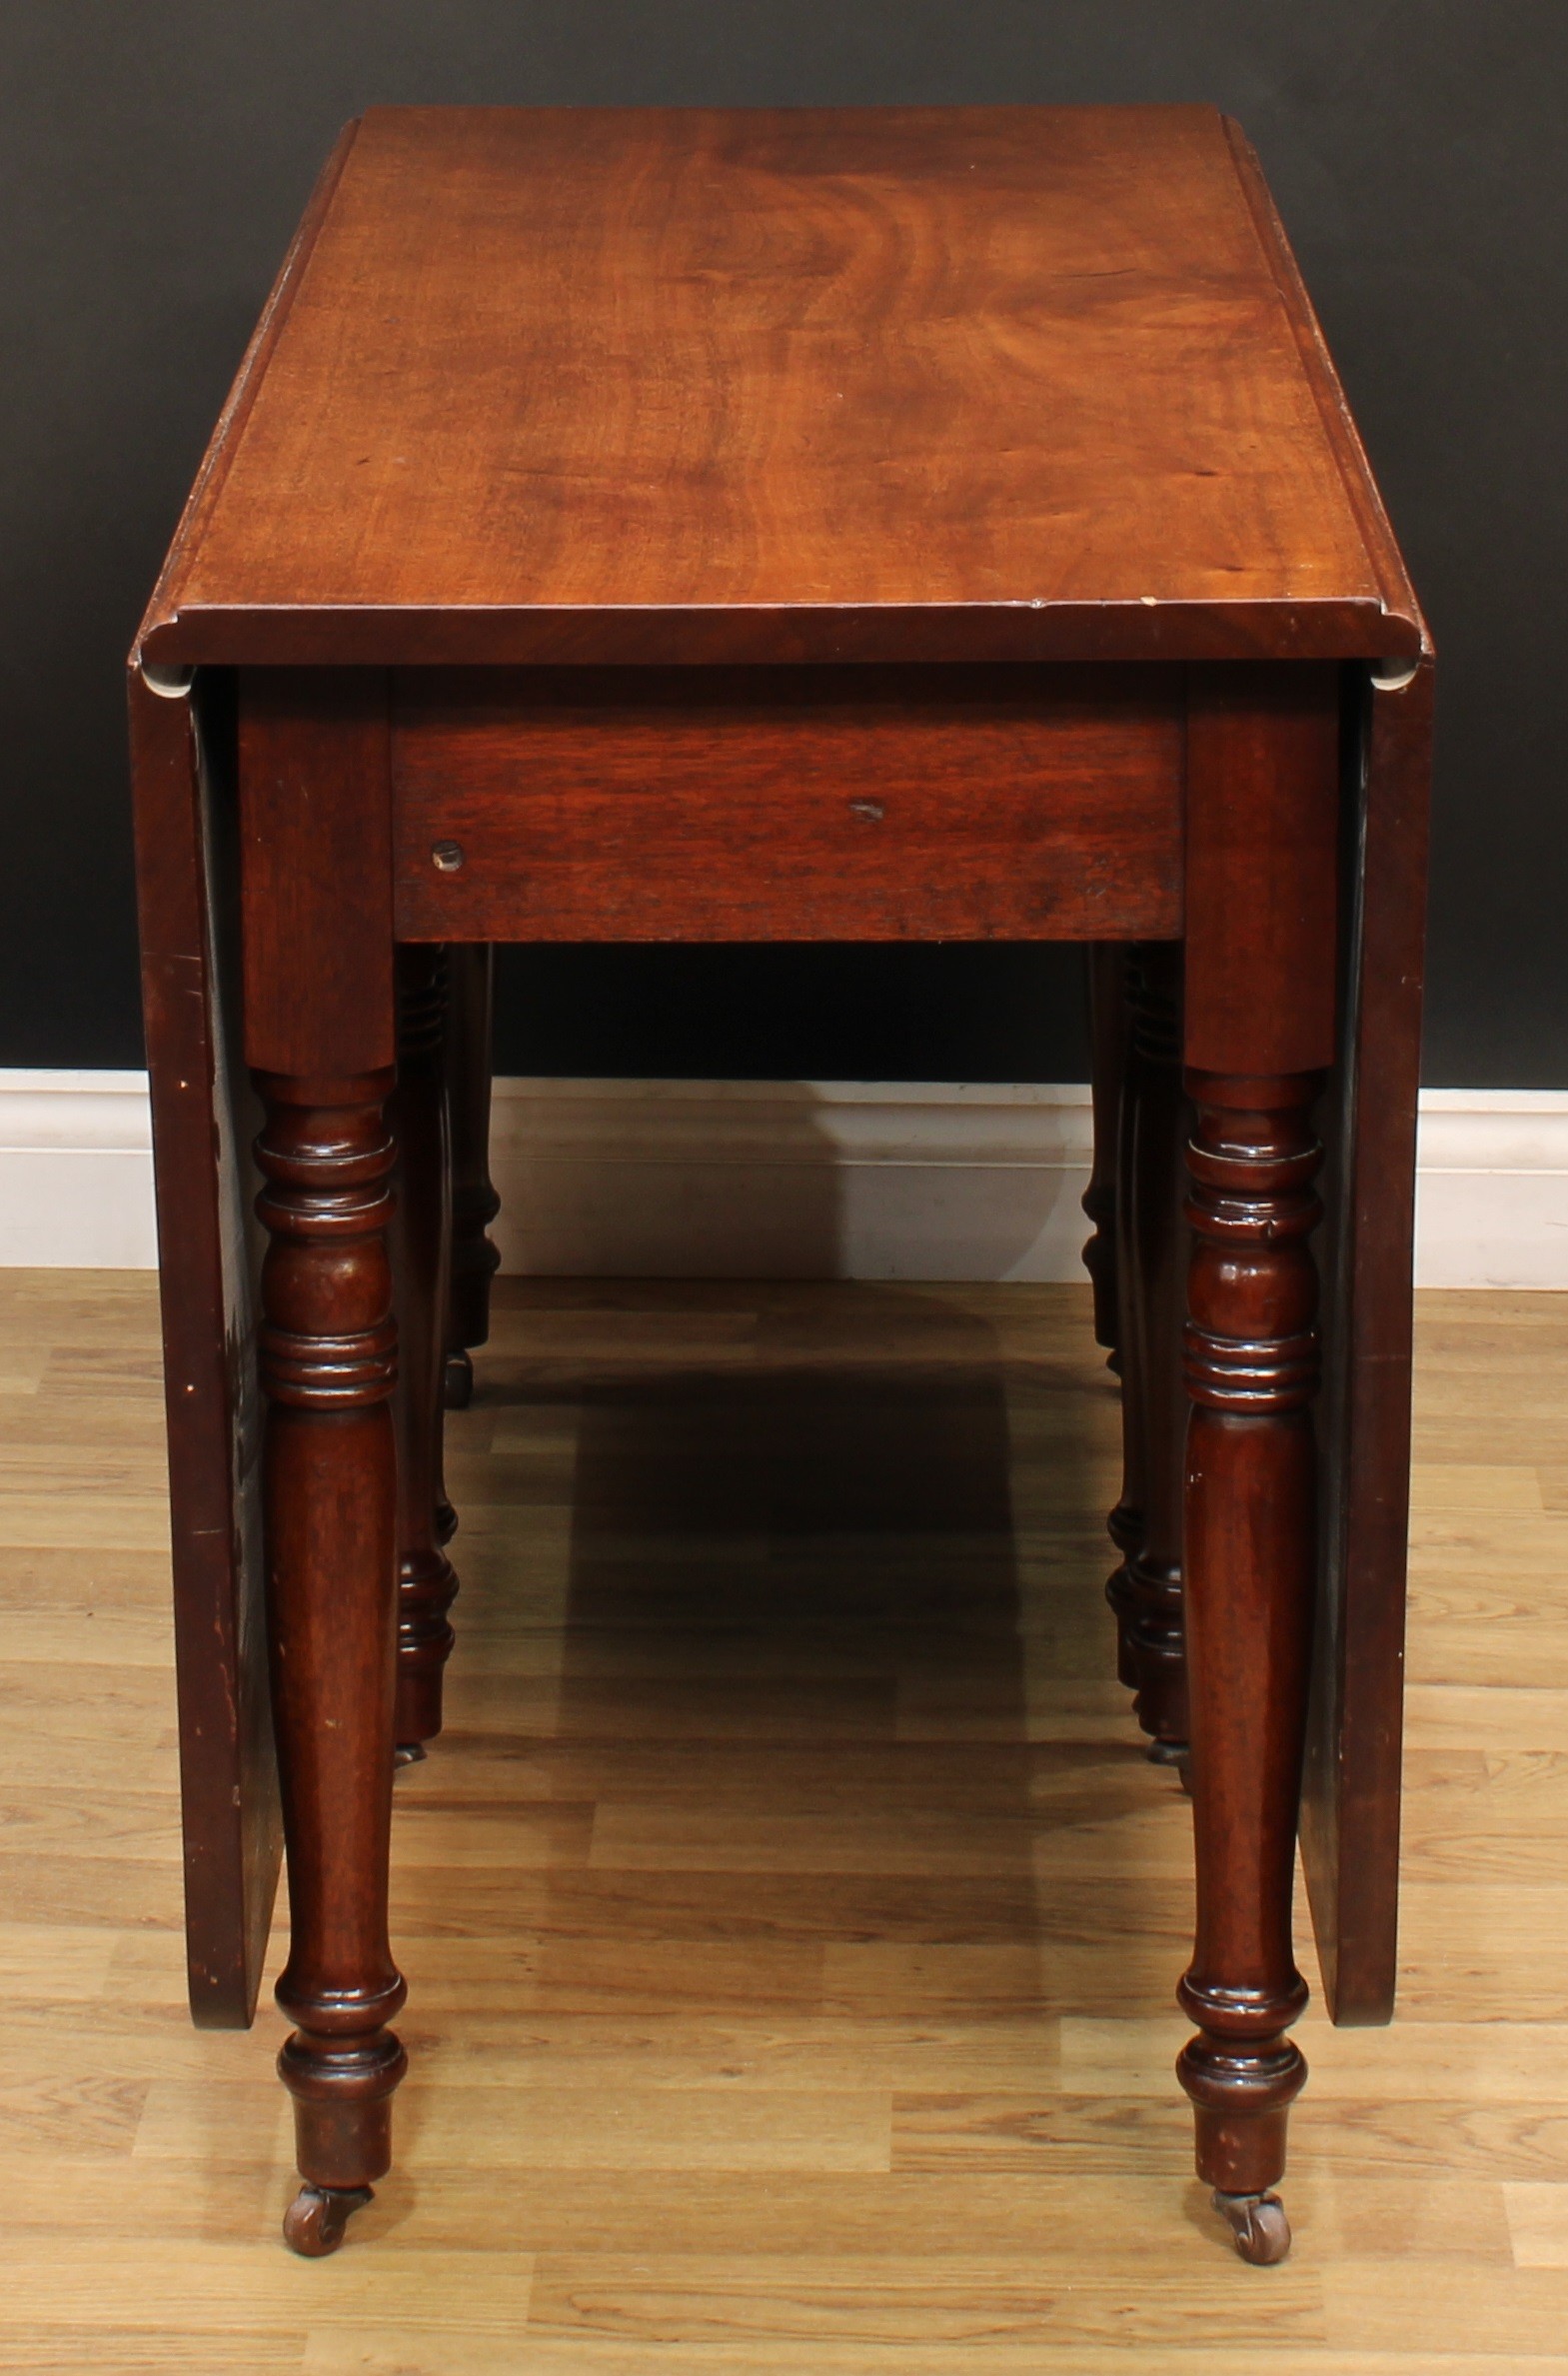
1105,967
1155,1187
1252,1370
1114,1130
1144,1589
475,1203
327,1351
426,1584
321,1042
1262,988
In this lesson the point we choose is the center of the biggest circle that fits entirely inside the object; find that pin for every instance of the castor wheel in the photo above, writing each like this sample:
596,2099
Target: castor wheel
314,2222
1258,2225
410,1752
456,1390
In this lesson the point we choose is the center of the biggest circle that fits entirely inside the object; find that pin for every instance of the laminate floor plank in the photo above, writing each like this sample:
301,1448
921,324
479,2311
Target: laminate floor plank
884,2300
384,2354
790,1915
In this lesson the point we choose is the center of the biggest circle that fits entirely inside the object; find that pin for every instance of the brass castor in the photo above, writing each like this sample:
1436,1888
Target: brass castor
1258,2225
314,2222
458,1381
410,1752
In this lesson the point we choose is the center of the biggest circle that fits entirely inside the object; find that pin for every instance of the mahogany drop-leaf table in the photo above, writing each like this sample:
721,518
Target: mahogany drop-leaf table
872,523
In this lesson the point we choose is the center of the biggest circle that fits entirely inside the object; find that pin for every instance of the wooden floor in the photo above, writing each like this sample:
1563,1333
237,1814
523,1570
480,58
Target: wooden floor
791,1920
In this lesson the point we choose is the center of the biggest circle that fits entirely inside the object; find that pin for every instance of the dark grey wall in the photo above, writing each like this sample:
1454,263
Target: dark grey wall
153,160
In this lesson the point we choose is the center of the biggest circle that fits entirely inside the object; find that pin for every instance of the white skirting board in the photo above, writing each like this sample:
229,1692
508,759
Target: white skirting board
788,1180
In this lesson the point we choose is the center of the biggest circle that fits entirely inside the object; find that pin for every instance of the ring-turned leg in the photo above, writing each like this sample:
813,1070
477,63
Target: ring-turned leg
1252,1370
475,1203
426,1584
320,1024
1263,825
1155,1185
1115,1120
1105,967
1144,1589
326,1357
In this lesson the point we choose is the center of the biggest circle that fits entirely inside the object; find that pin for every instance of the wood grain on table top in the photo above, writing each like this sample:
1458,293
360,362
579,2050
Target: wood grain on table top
860,384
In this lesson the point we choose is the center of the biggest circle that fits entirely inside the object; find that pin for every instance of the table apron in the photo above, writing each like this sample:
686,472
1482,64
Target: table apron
787,805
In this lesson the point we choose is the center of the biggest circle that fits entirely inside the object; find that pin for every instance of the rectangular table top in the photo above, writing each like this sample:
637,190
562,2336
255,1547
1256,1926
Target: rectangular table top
622,385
